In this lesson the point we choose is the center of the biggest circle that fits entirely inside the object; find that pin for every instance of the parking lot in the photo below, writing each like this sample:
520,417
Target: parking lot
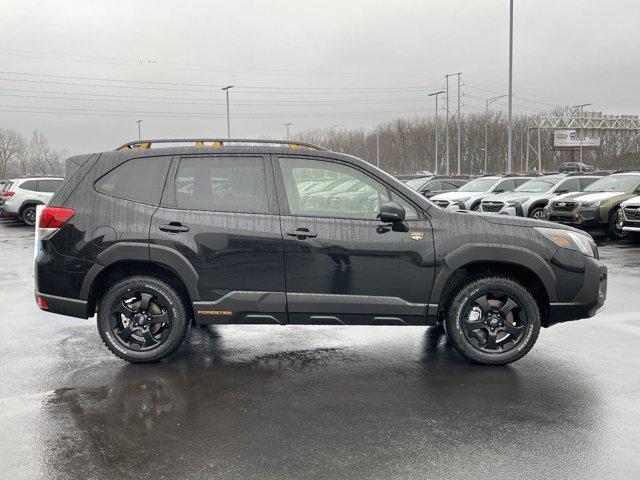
316,402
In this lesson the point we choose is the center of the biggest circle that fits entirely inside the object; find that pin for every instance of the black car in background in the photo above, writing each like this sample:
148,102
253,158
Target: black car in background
430,186
571,167
150,239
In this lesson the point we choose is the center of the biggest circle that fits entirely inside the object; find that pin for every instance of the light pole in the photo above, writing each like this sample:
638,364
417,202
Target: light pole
139,129
435,94
226,90
509,122
581,129
287,125
331,127
489,101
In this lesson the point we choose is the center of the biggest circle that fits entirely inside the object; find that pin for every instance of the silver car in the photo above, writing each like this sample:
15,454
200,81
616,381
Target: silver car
469,196
24,194
529,199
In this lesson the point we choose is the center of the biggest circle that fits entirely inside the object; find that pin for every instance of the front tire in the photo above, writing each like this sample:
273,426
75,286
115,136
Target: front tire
493,320
142,319
537,213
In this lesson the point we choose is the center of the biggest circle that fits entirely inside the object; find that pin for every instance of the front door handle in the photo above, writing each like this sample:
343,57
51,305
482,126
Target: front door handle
302,233
174,227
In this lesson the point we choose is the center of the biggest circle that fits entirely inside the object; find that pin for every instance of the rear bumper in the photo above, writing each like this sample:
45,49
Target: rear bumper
64,306
589,299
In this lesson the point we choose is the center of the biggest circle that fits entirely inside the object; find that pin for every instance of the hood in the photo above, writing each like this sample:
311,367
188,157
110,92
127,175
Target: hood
634,201
513,221
455,195
505,196
594,196
566,196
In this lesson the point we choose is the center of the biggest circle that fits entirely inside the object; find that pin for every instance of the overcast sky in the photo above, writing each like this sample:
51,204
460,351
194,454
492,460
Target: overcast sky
76,70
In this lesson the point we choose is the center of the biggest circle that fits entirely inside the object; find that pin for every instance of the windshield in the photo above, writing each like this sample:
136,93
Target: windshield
416,183
479,185
538,186
614,183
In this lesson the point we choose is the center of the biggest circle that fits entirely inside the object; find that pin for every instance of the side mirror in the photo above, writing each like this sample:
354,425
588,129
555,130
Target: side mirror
563,190
500,190
394,214
391,212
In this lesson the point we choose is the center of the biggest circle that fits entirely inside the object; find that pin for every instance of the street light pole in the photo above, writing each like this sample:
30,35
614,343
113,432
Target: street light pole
139,129
509,122
489,101
581,107
435,94
226,90
287,125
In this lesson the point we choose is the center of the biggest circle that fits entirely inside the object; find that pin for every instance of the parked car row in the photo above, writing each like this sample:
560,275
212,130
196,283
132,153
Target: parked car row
583,199
20,196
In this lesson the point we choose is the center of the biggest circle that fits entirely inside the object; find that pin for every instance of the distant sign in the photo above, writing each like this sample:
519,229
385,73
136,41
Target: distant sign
570,140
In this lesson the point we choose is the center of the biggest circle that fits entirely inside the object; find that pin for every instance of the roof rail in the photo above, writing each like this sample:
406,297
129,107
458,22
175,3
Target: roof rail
217,143
583,174
632,170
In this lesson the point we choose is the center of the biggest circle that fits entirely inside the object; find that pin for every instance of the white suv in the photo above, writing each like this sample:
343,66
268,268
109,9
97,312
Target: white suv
22,196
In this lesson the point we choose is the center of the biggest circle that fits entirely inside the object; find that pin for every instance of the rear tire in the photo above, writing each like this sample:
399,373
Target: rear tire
28,215
479,329
613,231
142,319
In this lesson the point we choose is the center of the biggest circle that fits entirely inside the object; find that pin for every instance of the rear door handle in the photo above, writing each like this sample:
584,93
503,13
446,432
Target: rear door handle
174,227
302,233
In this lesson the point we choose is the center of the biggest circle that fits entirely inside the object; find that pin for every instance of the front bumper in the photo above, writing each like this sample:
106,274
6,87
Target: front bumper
589,299
582,218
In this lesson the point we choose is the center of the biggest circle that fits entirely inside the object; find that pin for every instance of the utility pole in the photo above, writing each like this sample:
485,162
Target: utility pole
378,149
459,123
581,107
509,121
226,90
139,129
287,125
489,101
435,167
458,113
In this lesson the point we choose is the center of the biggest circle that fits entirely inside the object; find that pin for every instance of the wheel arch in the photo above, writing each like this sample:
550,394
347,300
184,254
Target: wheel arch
128,259
471,261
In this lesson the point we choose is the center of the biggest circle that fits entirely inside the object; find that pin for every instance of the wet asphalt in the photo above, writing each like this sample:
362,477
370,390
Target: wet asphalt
269,402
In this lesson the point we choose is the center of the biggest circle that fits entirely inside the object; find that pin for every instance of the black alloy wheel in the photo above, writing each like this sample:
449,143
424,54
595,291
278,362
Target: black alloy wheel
537,213
142,319
494,322
615,230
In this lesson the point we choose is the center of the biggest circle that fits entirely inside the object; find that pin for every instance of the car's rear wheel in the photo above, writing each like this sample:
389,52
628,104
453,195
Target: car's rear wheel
28,215
142,319
493,320
614,230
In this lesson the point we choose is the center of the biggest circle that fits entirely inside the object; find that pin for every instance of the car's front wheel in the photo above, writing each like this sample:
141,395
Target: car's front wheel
493,320
537,213
142,319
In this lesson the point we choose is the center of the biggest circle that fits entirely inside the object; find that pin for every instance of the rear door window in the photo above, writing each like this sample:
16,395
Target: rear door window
29,185
139,179
49,186
571,185
222,184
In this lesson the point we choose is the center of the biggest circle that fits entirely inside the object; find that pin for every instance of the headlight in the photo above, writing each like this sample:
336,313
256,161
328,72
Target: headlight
594,203
568,239
517,201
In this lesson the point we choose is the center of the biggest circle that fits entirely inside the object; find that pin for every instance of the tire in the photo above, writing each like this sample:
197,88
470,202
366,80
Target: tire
522,321
537,213
28,215
613,231
162,332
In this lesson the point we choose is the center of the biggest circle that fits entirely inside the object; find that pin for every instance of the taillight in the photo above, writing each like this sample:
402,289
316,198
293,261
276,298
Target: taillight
42,303
52,219
8,194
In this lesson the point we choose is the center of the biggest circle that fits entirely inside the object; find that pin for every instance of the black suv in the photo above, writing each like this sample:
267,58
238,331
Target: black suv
220,232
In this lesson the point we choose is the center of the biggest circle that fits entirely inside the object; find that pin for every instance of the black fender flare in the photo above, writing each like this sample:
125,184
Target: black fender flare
27,203
471,253
144,252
